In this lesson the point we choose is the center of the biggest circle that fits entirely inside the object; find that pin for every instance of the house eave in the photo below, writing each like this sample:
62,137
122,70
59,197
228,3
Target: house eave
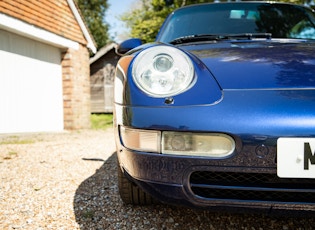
24,29
88,37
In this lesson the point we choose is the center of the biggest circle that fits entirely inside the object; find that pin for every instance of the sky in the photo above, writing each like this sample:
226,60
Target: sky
117,27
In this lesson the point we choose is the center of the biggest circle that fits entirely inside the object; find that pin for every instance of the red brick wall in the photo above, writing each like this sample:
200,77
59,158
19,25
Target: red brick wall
76,88
52,15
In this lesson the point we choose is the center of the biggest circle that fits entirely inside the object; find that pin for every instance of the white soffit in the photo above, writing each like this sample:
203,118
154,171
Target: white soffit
19,27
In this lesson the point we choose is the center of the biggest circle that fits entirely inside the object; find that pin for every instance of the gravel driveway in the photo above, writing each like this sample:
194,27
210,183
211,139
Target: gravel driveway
68,181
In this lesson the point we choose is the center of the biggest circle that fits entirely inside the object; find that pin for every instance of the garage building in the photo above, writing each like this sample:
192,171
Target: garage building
44,66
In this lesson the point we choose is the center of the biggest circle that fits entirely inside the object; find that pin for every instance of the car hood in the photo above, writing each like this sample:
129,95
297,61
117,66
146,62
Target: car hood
267,64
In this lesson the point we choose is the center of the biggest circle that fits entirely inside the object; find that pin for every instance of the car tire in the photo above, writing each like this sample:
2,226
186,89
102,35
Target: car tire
130,193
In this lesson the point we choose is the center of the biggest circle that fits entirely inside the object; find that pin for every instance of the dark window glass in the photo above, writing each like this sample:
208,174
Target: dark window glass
281,20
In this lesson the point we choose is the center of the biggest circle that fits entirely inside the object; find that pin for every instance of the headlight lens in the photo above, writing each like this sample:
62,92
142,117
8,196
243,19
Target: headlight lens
217,145
197,144
163,71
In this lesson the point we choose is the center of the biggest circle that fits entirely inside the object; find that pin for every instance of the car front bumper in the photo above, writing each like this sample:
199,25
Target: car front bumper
216,185
247,178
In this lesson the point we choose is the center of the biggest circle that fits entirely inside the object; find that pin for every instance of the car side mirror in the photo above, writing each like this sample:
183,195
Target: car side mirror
128,45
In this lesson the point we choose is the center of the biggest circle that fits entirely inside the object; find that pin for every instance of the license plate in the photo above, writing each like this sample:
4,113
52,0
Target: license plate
296,157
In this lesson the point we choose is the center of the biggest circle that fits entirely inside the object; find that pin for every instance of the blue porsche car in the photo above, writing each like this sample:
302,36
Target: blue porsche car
219,112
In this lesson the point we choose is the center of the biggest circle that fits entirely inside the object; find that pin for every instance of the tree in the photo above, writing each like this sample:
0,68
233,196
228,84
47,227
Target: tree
145,20
94,13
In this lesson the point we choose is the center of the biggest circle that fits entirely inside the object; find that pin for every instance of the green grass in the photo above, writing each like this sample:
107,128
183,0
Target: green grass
16,141
101,121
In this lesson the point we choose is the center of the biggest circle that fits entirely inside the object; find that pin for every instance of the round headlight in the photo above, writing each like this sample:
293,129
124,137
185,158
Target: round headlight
163,71
162,62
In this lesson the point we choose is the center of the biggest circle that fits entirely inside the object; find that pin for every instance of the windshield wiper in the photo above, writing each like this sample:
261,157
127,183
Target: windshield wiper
248,36
217,37
194,38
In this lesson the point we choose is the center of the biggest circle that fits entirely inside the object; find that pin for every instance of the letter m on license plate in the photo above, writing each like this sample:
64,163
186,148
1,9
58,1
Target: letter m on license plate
296,157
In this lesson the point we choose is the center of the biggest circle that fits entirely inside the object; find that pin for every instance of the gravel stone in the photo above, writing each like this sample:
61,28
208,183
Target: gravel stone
68,180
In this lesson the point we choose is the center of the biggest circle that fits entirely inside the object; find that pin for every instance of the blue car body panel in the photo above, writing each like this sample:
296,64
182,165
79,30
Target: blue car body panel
255,91
278,64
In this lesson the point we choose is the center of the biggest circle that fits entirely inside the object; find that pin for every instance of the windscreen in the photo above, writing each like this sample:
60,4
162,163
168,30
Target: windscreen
281,20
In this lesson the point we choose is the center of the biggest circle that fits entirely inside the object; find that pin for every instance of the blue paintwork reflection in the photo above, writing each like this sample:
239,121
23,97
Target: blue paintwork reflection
257,65
262,112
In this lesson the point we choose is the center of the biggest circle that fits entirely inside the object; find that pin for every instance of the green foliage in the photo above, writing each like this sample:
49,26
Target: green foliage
146,20
94,13
101,121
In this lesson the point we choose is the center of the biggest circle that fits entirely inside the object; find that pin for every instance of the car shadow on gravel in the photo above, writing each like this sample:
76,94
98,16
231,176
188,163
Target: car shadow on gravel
97,205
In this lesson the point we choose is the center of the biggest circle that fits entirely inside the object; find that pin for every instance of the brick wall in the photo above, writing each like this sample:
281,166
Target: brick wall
76,88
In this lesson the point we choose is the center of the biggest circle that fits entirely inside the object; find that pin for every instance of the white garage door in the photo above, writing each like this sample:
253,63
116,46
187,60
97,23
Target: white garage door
30,85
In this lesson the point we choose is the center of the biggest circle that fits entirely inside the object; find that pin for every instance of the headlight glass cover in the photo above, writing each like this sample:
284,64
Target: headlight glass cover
163,71
197,144
213,145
